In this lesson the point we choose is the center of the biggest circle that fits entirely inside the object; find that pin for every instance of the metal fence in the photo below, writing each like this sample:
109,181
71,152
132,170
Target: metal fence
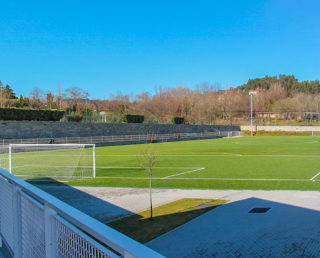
122,138
36,224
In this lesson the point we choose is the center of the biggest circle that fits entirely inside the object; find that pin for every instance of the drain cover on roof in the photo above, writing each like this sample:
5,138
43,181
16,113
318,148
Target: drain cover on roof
259,210
205,206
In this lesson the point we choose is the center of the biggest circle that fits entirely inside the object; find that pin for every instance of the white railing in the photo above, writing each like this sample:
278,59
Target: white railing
33,223
112,138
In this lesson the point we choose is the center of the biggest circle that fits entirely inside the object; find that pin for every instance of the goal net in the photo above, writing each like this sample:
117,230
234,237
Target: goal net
4,161
63,162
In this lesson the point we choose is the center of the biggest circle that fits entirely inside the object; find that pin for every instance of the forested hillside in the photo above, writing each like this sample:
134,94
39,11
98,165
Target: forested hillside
288,82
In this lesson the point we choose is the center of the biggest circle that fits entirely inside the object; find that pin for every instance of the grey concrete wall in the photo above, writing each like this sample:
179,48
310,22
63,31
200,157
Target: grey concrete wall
35,129
281,128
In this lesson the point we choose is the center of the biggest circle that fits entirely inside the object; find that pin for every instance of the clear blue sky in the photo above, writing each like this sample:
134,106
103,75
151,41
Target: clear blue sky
109,46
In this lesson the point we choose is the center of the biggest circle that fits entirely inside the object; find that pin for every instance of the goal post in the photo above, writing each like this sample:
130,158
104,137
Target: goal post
63,162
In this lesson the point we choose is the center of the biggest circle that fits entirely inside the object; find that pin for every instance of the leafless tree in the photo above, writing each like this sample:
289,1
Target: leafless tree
75,94
36,97
147,162
50,98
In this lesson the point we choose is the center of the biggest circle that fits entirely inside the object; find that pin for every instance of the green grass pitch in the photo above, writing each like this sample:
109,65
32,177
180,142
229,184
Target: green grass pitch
291,163
228,163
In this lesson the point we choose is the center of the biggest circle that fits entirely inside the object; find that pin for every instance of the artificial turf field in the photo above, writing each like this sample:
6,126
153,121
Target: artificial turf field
226,163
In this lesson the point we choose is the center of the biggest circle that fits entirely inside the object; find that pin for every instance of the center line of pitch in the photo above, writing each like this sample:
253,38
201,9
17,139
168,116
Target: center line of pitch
183,173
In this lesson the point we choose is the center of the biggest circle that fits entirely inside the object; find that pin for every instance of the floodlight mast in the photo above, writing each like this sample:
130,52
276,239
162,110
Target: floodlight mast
251,93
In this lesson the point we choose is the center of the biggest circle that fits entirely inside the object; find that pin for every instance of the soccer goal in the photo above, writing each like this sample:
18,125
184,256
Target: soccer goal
63,162
229,134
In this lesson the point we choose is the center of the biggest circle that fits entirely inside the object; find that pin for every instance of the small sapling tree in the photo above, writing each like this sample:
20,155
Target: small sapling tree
147,161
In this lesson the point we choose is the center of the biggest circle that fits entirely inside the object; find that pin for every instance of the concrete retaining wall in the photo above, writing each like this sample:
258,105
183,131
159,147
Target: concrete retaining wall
281,128
35,129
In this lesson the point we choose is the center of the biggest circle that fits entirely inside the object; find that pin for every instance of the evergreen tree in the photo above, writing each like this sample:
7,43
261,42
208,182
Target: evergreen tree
8,92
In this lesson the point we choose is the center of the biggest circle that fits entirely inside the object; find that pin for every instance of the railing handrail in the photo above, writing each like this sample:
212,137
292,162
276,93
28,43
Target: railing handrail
110,237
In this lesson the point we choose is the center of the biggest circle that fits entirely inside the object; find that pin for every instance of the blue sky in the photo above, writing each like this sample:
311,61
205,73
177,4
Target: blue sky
130,46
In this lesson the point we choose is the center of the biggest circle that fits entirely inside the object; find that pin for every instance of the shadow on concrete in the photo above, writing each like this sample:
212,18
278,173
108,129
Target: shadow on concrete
230,230
91,205
4,250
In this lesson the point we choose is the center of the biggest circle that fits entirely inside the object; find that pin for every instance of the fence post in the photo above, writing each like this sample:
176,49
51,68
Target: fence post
17,229
10,159
50,232
94,160
128,255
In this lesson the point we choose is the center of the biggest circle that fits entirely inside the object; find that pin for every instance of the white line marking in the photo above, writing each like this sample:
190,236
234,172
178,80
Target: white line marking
246,179
216,155
314,176
180,155
53,166
183,173
156,167
222,179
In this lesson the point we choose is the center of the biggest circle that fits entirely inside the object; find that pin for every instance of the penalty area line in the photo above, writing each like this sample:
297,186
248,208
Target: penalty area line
166,177
315,176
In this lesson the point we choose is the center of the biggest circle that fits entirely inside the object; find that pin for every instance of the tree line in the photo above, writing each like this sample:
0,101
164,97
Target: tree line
276,97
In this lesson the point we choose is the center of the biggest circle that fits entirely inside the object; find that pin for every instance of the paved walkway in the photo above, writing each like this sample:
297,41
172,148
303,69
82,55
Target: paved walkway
230,230
290,228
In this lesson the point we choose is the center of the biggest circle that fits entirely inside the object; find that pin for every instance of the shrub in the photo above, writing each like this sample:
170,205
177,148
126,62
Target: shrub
20,114
178,120
133,118
74,117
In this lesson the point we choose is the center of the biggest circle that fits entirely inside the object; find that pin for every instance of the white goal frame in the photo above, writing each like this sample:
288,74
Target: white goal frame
54,145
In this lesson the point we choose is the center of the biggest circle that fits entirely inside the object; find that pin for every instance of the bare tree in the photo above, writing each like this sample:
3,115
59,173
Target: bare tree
49,98
74,95
59,97
1,97
147,162
36,97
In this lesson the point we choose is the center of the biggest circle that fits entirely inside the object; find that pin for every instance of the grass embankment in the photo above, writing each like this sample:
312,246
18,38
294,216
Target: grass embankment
165,218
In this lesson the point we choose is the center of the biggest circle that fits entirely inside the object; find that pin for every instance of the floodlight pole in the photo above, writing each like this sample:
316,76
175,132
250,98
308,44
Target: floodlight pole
251,94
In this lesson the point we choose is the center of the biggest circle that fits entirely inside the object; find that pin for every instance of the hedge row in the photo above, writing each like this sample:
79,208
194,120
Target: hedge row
74,117
133,118
178,120
30,114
